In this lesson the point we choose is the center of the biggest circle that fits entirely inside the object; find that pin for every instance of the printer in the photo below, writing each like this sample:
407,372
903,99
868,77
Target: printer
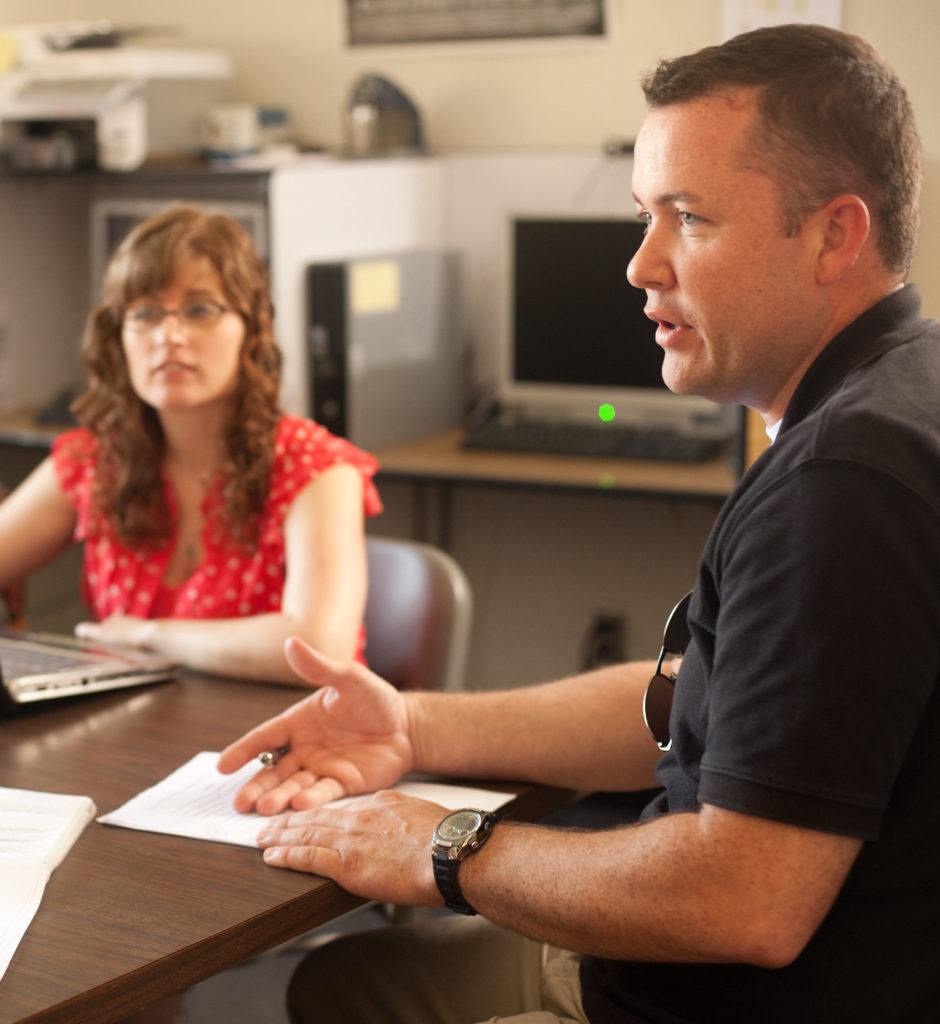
111,107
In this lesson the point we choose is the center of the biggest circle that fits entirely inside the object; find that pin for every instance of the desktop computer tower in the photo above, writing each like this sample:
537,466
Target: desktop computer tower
383,346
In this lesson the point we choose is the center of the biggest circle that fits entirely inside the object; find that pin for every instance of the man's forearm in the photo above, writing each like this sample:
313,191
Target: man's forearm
585,732
714,886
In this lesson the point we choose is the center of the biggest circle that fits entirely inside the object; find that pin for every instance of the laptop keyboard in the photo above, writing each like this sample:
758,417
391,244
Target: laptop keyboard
586,439
20,659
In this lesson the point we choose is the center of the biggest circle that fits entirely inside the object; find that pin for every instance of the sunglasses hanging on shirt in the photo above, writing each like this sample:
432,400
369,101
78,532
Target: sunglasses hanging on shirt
657,700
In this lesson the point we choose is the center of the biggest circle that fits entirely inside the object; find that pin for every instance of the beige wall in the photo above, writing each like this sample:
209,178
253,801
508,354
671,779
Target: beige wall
538,576
486,97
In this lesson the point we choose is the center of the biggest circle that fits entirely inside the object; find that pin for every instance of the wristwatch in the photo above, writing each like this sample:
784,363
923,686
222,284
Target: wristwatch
460,833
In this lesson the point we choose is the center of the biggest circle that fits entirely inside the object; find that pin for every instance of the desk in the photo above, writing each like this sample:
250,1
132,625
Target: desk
439,461
130,917
23,429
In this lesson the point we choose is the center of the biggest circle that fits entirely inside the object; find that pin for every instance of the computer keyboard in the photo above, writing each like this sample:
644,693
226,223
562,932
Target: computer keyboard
22,659
603,440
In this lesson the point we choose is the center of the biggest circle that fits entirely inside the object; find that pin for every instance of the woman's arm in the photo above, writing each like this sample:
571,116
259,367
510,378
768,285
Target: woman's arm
327,576
36,524
323,600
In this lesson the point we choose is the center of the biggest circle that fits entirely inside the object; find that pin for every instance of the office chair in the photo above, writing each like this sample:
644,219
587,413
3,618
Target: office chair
418,615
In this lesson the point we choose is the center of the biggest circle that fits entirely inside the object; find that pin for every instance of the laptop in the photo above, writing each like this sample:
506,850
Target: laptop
45,666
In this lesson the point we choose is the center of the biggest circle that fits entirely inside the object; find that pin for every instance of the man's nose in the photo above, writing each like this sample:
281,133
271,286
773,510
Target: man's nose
650,268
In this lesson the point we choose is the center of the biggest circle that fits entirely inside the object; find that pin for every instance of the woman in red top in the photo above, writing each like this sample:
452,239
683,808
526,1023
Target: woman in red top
214,525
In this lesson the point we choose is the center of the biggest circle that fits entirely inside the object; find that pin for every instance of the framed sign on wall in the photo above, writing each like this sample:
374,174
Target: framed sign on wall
416,22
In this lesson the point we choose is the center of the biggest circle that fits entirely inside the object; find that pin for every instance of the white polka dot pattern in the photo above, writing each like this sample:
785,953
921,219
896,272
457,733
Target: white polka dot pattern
232,580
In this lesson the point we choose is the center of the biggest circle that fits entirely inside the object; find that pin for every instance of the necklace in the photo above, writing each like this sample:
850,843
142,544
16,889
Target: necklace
193,551
190,555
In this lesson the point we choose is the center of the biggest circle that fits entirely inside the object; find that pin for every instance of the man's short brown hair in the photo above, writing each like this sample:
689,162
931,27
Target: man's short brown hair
832,118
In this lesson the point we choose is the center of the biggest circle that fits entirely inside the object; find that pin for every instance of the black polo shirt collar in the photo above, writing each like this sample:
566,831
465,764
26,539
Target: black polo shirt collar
889,323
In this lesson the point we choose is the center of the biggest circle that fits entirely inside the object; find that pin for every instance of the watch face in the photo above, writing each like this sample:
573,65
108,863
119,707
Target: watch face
458,825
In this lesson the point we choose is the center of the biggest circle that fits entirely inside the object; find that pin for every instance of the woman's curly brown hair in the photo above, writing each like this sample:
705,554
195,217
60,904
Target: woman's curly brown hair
129,485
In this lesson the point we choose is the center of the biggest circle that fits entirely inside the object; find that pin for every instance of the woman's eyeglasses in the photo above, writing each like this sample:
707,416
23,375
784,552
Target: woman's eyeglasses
657,701
193,316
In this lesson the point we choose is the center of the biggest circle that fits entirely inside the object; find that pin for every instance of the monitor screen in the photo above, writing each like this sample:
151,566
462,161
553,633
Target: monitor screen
576,320
113,218
577,339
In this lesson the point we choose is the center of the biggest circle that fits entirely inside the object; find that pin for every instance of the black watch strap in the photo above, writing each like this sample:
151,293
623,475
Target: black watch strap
445,874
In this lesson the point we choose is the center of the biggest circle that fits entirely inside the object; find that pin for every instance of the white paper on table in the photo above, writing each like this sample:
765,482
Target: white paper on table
196,801
20,895
37,830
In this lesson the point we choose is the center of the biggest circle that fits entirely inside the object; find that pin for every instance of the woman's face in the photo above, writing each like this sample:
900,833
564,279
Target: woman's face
183,345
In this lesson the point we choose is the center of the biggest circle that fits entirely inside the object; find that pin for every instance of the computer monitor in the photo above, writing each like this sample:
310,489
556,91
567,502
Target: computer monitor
113,218
578,337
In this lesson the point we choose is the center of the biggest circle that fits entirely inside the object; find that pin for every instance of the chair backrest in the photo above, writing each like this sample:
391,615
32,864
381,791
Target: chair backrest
418,615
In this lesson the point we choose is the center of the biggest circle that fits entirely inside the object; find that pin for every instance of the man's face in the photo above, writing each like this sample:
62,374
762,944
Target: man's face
735,301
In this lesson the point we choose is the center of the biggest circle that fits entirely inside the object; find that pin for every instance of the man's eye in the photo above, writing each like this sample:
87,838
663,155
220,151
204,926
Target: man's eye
689,220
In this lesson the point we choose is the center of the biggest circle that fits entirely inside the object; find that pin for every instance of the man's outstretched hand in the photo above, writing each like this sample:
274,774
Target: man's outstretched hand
349,737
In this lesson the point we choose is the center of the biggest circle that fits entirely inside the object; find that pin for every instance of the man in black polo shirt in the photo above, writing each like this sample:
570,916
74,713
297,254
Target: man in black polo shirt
788,871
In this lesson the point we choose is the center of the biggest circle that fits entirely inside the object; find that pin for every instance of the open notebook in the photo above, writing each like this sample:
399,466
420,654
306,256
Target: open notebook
45,666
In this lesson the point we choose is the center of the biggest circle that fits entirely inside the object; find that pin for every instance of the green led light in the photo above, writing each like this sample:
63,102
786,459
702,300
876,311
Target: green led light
606,412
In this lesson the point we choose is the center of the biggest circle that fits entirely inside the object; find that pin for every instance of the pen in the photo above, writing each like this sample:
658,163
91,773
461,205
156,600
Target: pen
269,758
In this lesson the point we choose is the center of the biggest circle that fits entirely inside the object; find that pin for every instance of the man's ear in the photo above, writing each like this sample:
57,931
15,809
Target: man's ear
844,225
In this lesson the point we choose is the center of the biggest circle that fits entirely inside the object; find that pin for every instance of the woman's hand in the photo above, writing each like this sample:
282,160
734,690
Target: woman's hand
122,630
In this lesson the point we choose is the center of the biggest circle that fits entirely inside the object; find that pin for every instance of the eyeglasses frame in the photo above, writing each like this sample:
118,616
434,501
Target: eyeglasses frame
184,323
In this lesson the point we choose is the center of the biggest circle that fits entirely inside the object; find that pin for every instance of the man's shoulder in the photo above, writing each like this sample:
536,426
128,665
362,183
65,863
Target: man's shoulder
881,423
886,414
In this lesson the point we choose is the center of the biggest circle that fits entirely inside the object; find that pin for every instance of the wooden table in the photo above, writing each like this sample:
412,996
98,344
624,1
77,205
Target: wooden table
130,917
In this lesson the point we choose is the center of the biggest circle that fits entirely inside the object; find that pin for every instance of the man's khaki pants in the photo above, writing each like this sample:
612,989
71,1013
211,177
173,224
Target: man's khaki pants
447,970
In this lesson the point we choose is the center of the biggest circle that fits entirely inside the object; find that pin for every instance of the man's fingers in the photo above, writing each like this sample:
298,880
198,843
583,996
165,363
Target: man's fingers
293,841
316,860
270,791
281,797
271,735
321,792
315,668
301,790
